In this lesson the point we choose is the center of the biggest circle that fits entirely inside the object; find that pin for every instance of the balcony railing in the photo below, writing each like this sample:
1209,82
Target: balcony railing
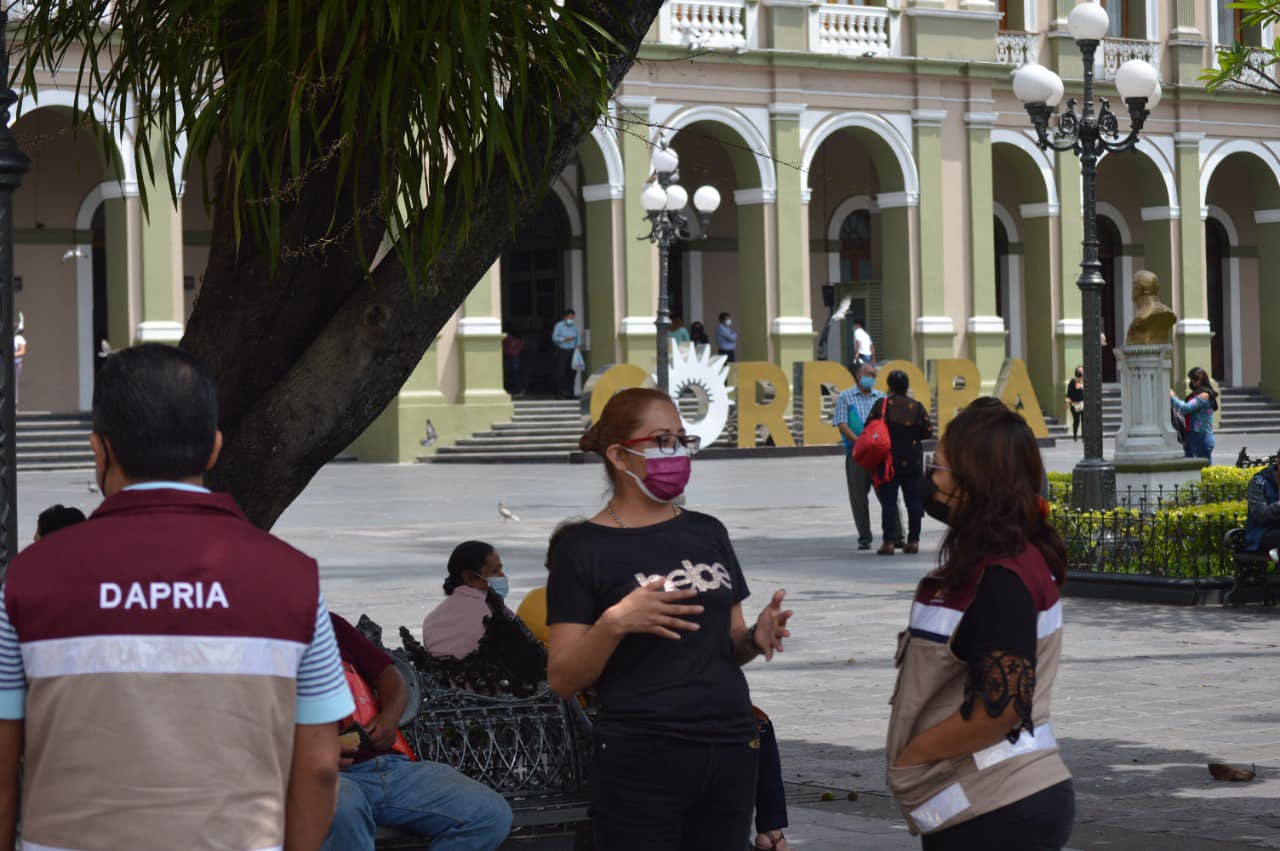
1017,48
708,23
1259,58
849,30
1117,51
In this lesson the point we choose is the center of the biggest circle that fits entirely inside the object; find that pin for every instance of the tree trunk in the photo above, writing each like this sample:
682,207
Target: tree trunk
307,354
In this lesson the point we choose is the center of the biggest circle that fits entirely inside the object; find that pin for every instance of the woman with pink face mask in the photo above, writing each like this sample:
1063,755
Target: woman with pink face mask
644,604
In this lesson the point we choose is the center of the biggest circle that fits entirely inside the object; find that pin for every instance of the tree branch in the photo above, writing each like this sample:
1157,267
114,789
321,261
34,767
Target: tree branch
369,346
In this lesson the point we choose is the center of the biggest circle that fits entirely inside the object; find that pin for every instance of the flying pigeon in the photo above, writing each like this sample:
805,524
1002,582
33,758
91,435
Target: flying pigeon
506,514
431,435
104,349
76,253
837,316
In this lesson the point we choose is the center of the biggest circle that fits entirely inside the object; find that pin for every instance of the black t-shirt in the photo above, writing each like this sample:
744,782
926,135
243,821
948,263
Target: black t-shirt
996,638
689,688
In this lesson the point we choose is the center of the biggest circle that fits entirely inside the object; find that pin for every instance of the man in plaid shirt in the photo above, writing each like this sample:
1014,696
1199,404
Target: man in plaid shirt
860,398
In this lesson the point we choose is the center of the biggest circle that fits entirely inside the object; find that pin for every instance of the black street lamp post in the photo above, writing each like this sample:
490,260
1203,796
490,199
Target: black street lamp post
13,165
1093,481
664,201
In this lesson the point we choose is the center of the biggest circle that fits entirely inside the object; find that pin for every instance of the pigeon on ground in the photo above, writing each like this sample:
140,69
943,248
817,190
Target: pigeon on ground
506,513
92,486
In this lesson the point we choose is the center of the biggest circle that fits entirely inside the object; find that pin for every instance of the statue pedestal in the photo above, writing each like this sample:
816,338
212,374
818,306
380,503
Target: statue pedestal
1148,457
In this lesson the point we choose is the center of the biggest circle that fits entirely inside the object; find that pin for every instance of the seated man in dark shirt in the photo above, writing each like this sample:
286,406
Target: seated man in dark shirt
383,787
1263,529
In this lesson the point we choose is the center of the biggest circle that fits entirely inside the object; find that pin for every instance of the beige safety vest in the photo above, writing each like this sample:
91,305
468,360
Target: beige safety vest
930,688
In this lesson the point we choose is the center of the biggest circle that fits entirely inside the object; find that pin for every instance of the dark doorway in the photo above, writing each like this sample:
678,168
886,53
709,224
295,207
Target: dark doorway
676,284
1217,251
855,247
101,330
1002,279
1110,250
533,290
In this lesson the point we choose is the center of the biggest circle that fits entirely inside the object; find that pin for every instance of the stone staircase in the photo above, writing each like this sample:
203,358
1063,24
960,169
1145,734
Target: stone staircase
54,441
540,430
1245,410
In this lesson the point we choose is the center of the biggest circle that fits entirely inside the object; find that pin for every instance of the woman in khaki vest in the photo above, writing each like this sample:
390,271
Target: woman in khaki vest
973,762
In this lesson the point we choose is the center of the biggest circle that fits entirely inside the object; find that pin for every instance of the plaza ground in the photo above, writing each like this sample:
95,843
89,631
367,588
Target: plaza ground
1147,695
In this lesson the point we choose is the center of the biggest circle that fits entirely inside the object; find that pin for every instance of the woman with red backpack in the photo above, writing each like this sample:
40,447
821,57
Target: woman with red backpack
909,426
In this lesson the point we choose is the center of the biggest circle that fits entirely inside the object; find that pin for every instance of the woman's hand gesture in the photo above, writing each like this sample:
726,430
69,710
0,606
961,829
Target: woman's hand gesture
651,610
771,626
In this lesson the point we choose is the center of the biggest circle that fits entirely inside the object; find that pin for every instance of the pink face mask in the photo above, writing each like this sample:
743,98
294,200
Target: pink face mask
665,476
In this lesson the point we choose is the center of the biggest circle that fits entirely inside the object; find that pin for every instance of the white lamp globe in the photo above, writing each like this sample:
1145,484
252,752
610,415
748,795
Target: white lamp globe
1088,21
677,197
706,199
1137,79
1154,100
1037,84
664,160
654,198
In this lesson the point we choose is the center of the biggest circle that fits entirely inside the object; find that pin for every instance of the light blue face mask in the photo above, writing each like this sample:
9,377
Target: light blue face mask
499,585
868,382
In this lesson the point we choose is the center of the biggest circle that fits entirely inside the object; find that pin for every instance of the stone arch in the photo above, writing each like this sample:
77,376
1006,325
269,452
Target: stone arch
85,344
1158,186
748,149
561,189
883,140
1035,159
601,158
846,208
1232,338
1006,219
885,183
121,135
1118,218
1263,155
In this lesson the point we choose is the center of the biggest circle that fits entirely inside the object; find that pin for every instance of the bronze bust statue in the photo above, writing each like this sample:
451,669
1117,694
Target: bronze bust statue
1152,321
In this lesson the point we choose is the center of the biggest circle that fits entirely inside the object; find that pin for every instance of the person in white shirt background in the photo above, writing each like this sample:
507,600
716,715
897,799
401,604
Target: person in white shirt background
19,352
864,351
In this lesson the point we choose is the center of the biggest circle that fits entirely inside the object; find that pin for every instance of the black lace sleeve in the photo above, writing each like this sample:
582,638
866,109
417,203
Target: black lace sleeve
997,639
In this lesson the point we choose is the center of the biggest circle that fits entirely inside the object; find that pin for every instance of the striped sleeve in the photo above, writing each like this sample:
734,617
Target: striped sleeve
13,680
323,695
841,412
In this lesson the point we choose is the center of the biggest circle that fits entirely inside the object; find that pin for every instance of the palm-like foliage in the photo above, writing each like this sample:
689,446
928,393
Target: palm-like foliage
440,87
1242,65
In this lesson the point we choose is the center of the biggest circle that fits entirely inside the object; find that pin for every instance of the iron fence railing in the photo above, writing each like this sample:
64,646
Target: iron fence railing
1173,543
1147,499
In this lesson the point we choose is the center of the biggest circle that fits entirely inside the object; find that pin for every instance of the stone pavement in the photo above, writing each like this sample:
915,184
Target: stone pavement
1147,694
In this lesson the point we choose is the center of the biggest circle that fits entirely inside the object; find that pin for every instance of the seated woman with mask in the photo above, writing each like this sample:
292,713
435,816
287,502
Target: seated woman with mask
455,627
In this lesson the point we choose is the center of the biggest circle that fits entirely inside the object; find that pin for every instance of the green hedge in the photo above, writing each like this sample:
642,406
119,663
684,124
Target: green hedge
1180,542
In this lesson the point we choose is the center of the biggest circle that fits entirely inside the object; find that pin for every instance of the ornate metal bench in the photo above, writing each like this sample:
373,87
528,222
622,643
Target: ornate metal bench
516,737
1256,577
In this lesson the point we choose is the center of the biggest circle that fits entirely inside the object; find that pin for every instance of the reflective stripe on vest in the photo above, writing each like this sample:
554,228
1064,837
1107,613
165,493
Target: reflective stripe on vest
941,808
1041,740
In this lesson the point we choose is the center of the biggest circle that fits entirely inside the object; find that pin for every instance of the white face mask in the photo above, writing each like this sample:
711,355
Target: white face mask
729,323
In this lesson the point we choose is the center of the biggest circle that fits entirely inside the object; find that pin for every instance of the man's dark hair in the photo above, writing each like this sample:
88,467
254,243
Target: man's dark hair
158,408
57,517
724,316
857,321
568,313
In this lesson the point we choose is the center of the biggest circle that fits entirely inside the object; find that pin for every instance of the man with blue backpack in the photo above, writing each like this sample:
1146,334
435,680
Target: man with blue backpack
852,408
